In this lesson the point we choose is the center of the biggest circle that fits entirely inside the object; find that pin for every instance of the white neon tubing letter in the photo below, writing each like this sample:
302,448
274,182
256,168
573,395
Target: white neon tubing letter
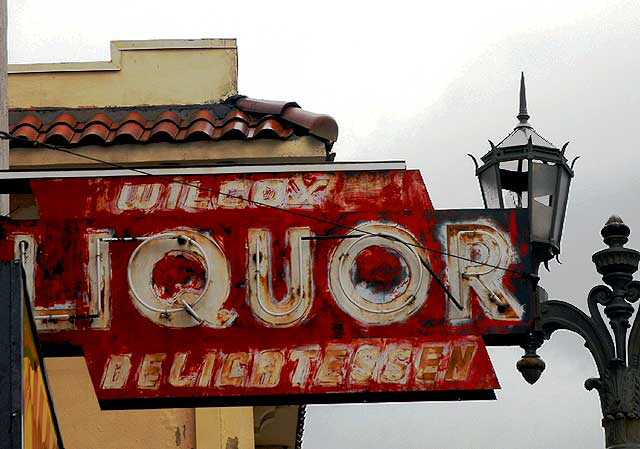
295,306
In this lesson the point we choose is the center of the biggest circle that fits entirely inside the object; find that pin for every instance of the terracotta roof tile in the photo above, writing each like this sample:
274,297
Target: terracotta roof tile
238,118
130,132
26,131
202,114
29,120
97,133
60,134
265,106
200,130
65,119
165,131
102,119
317,124
169,116
136,117
235,129
270,129
236,115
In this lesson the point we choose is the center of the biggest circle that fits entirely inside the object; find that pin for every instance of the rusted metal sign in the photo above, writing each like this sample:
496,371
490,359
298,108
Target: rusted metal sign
272,287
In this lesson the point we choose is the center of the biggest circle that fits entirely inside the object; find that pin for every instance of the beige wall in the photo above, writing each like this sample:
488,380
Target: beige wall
155,72
224,428
303,149
84,426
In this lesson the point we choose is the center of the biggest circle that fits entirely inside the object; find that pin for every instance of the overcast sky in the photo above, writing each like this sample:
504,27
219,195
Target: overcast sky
427,82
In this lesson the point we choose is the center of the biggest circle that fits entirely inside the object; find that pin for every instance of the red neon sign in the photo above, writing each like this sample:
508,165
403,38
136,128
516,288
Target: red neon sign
272,287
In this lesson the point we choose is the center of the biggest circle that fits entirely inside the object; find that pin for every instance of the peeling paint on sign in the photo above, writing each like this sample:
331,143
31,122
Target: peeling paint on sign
295,192
378,364
186,288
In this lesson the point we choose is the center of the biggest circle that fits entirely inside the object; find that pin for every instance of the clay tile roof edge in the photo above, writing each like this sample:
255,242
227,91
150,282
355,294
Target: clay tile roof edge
237,117
320,125
264,106
323,126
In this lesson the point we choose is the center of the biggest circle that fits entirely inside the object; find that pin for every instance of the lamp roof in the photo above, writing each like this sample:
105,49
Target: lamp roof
524,131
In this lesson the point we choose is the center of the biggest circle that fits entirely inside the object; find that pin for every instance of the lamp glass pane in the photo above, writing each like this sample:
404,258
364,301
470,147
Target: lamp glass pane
541,217
543,190
543,182
564,180
514,200
490,188
514,183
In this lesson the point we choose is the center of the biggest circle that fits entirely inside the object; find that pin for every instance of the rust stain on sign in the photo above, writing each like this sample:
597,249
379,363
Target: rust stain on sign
188,288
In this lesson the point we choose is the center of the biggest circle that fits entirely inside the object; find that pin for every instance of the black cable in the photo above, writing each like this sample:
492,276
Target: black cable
431,272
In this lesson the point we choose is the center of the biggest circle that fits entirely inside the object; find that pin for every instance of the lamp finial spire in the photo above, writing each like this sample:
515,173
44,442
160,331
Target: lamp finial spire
523,115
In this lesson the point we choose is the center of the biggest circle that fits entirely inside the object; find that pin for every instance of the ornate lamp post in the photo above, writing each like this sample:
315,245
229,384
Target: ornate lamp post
617,358
528,181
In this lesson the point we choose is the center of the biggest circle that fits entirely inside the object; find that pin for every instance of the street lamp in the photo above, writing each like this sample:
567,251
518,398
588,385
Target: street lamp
525,170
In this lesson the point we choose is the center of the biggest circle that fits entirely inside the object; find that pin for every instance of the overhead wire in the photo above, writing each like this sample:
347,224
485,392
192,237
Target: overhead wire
7,136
